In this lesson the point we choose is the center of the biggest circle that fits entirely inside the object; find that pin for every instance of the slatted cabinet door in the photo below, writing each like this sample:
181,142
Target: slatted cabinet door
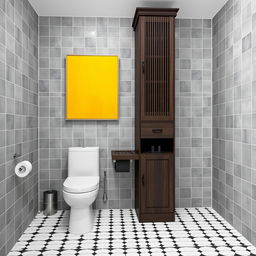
157,86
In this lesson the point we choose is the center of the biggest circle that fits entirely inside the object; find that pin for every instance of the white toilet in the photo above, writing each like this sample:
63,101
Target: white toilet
81,187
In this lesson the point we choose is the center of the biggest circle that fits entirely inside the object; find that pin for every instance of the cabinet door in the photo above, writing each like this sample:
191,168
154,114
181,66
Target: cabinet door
157,183
157,86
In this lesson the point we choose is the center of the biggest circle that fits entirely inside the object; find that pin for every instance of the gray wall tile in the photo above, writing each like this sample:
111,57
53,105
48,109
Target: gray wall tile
193,113
85,36
234,115
18,117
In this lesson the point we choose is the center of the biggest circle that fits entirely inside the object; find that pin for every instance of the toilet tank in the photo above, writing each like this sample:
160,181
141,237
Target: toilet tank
83,161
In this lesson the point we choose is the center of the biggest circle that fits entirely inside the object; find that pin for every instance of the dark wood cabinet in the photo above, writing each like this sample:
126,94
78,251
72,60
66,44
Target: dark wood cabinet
156,178
155,113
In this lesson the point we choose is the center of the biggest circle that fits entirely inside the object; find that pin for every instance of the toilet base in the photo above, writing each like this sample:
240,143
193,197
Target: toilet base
81,220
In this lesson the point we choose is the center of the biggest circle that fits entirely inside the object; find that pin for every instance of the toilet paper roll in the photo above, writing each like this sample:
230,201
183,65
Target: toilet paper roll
23,168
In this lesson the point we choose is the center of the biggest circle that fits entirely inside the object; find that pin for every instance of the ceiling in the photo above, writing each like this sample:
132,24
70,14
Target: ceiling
124,8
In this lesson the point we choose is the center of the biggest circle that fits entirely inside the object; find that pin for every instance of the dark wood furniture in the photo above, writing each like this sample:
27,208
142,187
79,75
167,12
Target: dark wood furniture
155,201
124,155
154,114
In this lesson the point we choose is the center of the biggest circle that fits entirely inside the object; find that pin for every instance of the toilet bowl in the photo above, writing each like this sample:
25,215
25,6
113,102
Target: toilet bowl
81,188
79,193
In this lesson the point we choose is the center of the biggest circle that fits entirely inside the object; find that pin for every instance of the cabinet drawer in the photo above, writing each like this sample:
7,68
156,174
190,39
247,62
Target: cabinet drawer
157,132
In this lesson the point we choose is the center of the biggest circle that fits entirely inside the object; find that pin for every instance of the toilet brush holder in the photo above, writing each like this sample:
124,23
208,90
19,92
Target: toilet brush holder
50,202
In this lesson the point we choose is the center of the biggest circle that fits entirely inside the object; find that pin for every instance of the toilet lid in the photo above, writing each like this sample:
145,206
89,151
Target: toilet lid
81,184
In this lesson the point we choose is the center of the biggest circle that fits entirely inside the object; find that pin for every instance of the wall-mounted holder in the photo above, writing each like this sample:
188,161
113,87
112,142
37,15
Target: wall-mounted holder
122,160
122,165
16,155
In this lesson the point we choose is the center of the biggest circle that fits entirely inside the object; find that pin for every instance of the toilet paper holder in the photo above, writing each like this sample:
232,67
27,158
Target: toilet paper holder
16,155
23,168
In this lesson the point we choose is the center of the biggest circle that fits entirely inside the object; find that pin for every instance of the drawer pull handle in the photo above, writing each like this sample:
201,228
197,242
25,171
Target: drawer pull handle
157,130
143,66
142,180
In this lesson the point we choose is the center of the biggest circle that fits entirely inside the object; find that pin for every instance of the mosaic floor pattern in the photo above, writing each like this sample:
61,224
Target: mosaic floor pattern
196,232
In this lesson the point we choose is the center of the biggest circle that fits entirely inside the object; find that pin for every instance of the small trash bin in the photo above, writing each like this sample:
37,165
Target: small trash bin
50,202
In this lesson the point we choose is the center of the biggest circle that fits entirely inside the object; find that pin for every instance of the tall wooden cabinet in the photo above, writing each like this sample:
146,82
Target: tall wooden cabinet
155,113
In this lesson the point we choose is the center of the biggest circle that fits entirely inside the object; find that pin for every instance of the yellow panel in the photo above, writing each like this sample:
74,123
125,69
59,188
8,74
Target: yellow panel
92,87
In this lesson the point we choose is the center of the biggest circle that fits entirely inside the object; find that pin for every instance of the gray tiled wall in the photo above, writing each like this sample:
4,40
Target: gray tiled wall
18,117
234,115
193,112
60,36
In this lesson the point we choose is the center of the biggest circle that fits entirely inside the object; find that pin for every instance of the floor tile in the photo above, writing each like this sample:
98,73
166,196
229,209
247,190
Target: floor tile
196,231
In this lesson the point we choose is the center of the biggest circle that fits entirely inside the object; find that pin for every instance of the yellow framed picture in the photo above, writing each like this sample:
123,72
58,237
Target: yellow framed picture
92,87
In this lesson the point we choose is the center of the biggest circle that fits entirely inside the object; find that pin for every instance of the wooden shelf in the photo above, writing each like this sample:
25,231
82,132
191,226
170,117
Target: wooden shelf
125,155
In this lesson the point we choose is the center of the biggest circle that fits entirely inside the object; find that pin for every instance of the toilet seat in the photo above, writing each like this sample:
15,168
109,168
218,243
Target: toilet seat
80,184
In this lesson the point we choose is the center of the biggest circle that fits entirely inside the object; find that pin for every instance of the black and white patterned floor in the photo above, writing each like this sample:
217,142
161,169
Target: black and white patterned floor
196,232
